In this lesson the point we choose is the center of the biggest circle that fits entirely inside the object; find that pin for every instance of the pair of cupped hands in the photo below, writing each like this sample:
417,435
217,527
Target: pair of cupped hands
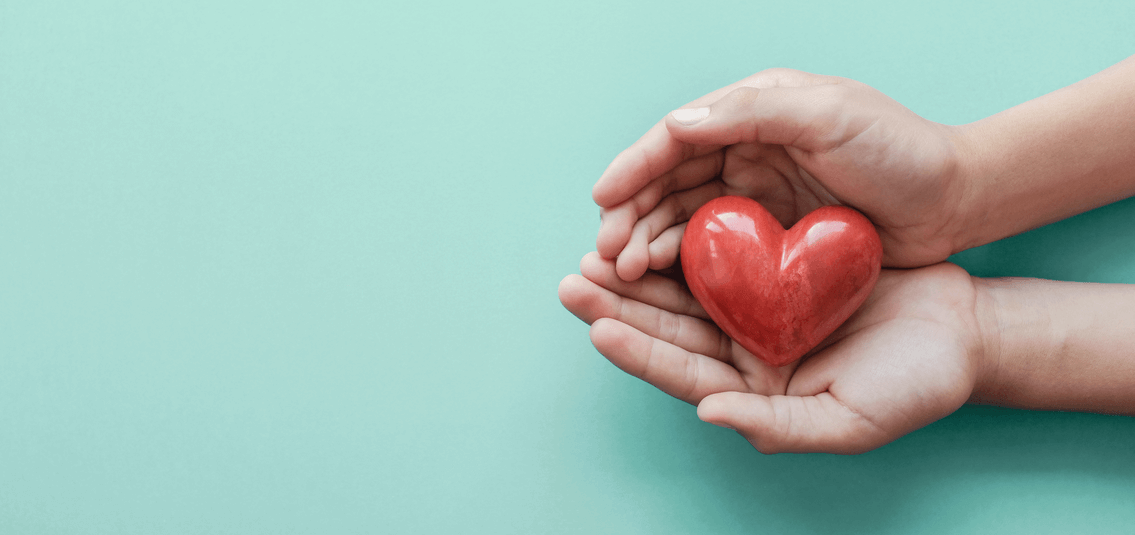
794,142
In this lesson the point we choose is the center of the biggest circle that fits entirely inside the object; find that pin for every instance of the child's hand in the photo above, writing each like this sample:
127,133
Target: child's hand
927,339
793,141
908,357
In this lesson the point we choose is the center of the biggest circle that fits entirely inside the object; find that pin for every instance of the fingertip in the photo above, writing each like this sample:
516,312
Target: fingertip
573,295
589,259
677,129
710,411
564,287
686,117
720,409
615,230
610,243
593,265
659,262
715,407
600,194
604,193
632,265
606,250
665,248
656,152
744,413
698,126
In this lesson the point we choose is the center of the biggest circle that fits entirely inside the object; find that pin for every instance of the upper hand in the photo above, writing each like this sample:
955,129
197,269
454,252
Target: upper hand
792,141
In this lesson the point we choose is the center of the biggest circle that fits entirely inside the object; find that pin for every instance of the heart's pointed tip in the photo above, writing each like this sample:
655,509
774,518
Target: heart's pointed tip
777,361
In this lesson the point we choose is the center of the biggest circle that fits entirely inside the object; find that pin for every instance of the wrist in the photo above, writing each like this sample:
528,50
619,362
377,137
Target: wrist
1018,336
1054,345
1046,159
988,349
971,178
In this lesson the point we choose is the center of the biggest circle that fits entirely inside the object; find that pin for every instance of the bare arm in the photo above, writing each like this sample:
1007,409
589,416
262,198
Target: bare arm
796,141
1058,345
1066,152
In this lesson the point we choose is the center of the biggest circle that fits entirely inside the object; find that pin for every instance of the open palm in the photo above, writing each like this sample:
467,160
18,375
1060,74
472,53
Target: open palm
792,141
908,357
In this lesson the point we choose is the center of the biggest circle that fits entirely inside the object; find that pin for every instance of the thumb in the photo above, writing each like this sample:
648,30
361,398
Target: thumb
811,118
796,424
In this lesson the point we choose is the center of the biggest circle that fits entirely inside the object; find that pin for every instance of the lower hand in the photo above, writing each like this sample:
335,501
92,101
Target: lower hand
908,357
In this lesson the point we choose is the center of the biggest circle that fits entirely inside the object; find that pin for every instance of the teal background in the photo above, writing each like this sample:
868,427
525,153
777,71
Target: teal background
291,267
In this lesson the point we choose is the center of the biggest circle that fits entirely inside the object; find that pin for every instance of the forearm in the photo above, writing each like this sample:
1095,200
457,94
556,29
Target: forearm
1050,158
1057,345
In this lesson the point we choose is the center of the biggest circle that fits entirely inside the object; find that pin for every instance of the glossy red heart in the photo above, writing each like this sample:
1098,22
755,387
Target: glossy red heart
779,292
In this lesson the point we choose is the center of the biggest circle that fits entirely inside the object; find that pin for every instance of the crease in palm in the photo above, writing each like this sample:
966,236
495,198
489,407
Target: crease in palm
905,359
896,365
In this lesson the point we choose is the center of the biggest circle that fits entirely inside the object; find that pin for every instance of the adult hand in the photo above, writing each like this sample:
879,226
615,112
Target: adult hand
909,356
792,141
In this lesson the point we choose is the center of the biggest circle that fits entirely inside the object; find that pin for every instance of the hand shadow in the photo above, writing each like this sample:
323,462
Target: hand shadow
1092,247
717,483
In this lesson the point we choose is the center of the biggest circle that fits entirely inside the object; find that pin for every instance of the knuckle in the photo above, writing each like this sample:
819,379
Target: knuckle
668,327
744,96
671,207
725,344
775,76
833,96
666,185
644,202
693,371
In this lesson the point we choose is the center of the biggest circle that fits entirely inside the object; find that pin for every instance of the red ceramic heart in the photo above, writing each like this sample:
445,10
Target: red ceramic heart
779,292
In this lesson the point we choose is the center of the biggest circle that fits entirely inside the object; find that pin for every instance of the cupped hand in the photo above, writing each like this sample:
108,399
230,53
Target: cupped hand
908,357
792,141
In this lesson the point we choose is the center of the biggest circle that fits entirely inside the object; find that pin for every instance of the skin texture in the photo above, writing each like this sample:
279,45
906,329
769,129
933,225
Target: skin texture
792,141
1058,346
927,339
795,141
908,357
1064,153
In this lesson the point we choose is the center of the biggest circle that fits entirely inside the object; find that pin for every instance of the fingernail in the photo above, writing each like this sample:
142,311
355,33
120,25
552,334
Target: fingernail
690,115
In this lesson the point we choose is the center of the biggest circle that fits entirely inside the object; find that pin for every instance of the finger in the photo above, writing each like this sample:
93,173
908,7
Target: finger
654,290
653,155
658,151
620,219
669,295
674,209
902,375
573,296
680,373
780,424
591,302
615,229
664,249
812,118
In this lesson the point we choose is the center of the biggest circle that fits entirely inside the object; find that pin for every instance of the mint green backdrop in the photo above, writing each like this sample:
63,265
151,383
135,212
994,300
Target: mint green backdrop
291,267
